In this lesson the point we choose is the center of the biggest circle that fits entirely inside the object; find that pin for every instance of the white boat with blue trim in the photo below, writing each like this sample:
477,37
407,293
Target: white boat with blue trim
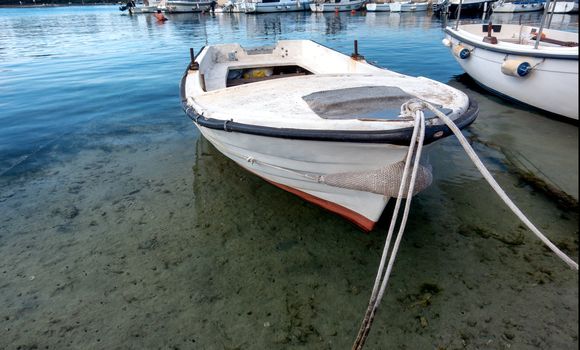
517,6
269,6
378,7
336,5
409,6
147,6
325,126
185,6
513,61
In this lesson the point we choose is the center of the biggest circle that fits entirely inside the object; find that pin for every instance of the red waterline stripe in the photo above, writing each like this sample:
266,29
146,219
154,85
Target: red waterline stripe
360,220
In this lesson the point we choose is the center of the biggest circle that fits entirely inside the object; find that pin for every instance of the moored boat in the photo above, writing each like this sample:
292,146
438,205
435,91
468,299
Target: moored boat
336,5
467,6
514,62
409,6
267,6
185,6
378,7
234,6
517,6
564,7
148,6
315,122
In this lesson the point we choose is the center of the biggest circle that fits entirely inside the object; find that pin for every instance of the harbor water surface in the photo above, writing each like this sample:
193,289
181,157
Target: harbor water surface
122,228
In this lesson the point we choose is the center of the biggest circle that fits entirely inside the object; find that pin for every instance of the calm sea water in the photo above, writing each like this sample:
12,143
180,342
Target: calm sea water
65,67
121,228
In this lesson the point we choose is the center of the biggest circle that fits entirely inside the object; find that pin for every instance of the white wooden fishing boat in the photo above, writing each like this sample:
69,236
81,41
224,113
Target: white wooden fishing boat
147,6
564,7
336,5
517,6
314,121
234,6
409,6
227,7
186,6
267,6
512,66
378,7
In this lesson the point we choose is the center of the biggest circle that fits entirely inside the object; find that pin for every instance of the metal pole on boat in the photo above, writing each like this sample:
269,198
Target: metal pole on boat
539,33
551,14
355,55
192,64
458,14
484,11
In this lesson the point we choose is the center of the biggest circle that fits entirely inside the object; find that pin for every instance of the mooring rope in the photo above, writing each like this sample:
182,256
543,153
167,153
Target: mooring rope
496,187
415,107
382,277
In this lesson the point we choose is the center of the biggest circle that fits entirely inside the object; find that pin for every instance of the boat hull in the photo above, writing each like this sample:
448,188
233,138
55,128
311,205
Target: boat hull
289,6
374,7
143,9
564,7
469,6
409,7
336,7
186,6
295,163
551,86
282,161
518,7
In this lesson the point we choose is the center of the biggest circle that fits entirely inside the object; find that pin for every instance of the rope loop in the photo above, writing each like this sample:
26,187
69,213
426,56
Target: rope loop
410,108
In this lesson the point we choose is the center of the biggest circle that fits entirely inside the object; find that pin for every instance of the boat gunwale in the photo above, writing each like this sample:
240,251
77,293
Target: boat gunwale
531,53
396,137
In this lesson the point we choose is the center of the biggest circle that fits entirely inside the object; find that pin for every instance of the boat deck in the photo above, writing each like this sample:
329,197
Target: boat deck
340,99
515,34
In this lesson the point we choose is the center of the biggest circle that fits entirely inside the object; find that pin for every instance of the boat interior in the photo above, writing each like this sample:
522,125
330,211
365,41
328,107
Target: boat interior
523,35
229,65
310,82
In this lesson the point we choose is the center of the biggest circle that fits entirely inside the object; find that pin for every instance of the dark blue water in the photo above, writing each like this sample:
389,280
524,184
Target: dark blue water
125,229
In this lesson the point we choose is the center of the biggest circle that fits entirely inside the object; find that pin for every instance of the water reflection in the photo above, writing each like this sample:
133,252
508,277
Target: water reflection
268,25
400,20
333,23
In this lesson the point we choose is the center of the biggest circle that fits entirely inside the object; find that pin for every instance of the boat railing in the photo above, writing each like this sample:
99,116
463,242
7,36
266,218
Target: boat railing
545,22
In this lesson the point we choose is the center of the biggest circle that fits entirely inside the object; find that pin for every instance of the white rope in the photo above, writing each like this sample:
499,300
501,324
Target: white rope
382,277
415,107
487,175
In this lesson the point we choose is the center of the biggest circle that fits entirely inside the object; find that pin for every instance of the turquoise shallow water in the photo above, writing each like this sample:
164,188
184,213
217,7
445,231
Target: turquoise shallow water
120,227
